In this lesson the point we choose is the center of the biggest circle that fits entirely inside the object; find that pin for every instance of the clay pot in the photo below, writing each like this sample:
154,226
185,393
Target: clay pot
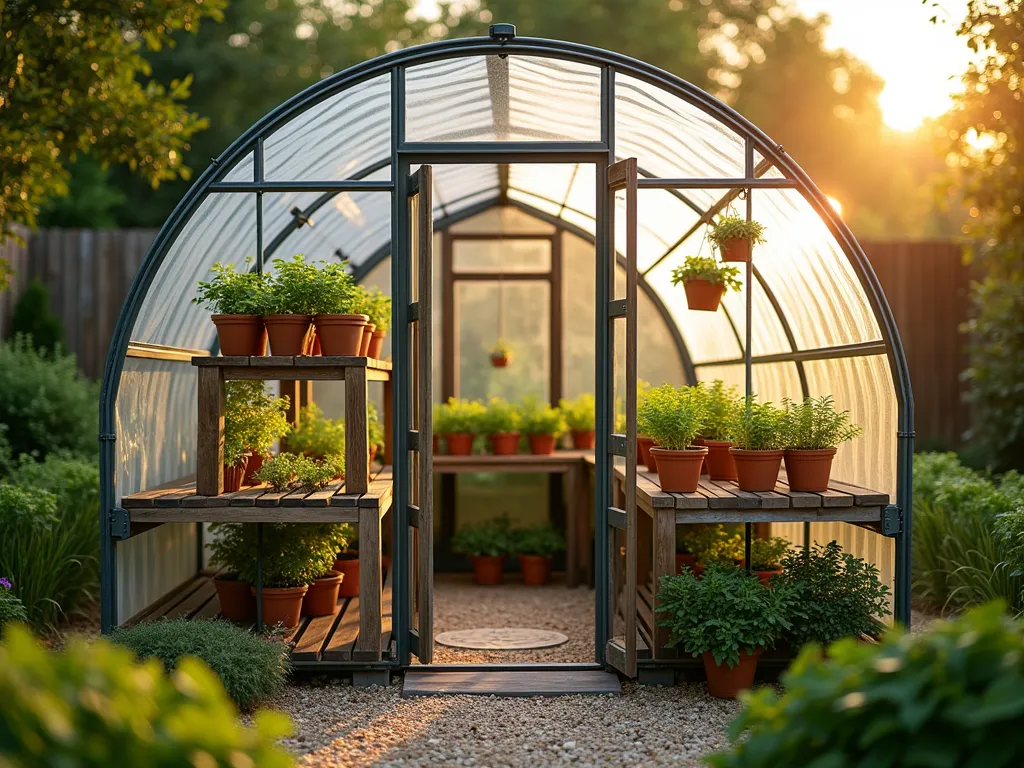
499,361
504,443
459,443
340,335
685,558
679,471
704,464
756,470
542,445
253,466
348,566
282,605
237,602
364,347
243,335
373,454
643,450
583,439
703,295
488,570
233,476
376,344
322,597
736,249
287,333
436,446
720,463
536,569
765,576
725,683
809,470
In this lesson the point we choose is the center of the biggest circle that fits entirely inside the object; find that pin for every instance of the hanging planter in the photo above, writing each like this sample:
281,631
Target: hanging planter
813,430
705,282
501,354
236,300
735,236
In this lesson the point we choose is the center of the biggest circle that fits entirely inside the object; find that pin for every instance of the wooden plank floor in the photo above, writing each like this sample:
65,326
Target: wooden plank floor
425,682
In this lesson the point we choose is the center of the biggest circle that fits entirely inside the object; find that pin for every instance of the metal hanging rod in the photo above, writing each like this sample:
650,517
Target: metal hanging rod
351,185
717,183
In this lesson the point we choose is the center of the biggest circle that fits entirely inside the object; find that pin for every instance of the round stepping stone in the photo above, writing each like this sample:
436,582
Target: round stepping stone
501,639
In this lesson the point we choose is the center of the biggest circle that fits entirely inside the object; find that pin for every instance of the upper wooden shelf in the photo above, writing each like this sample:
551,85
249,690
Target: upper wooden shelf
559,461
288,367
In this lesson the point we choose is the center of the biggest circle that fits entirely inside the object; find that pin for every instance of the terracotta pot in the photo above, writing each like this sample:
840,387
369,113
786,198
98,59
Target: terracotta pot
809,470
282,605
736,249
756,470
237,602
253,466
459,443
287,333
720,462
765,576
725,683
685,558
348,567
233,476
504,443
643,448
703,295
243,335
704,464
487,570
499,361
322,597
373,454
340,335
364,347
436,445
376,344
542,445
536,569
679,471
583,439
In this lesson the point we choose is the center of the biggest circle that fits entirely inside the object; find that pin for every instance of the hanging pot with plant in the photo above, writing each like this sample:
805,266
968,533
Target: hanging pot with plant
338,311
758,431
673,417
500,423
501,354
705,282
734,236
289,305
237,300
579,417
543,424
485,545
813,430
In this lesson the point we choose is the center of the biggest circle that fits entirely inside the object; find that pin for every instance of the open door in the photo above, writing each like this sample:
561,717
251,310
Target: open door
621,651
421,512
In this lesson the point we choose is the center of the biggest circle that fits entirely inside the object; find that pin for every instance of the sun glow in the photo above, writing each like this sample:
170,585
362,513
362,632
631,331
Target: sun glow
836,205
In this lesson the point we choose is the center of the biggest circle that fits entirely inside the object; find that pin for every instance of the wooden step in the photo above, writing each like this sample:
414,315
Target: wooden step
425,682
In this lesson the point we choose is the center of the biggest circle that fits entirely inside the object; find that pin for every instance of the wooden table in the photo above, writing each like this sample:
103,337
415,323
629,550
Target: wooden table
572,464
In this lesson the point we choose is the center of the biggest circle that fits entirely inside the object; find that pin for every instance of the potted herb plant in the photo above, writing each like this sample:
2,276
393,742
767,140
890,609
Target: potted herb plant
379,310
727,618
722,403
238,424
759,436
228,554
346,562
236,299
321,599
461,421
814,428
766,556
579,416
643,442
501,354
705,282
706,544
336,308
375,430
257,418
534,548
289,305
317,436
486,546
673,417
500,422
735,236
280,472
543,424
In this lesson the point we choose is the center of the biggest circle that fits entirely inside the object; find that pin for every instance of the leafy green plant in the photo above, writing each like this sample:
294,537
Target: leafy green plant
726,549
46,403
378,306
492,539
950,696
722,403
706,268
280,472
542,540
501,349
702,541
11,607
234,293
672,416
316,435
33,319
312,474
253,420
767,554
252,668
579,413
293,289
724,612
758,426
94,705
500,417
336,293
542,419
732,227
374,426
293,554
934,470
815,424
835,594
227,549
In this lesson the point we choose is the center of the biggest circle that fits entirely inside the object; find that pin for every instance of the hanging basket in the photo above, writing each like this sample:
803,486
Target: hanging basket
500,359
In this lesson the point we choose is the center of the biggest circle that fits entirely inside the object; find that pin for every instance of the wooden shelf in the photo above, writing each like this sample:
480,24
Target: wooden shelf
289,367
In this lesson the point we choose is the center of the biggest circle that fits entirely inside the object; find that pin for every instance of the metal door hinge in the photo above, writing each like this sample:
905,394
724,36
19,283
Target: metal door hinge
892,520
120,523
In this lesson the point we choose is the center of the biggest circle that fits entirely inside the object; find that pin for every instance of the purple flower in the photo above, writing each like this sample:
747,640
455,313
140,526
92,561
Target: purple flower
5,583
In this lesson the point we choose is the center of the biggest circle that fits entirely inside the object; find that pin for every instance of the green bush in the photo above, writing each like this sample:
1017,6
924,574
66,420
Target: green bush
500,418
672,416
493,538
253,420
11,608
459,417
33,319
951,696
767,554
45,403
579,413
542,540
316,435
293,554
251,667
94,705
542,419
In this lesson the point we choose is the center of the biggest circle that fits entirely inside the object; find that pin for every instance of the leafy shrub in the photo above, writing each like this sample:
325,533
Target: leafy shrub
542,419
724,612
11,607
233,293
374,426
767,554
758,426
951,696
316,435
834,594
45,403
252,668
706,268
815,424
312,474
672,416
253,420
459,417
6,453
378,306
725,549
540,540
293,288
492,538
702,540
730,227
280,471
500,417
293,554
934,469
94,705
579,413
336,293
722,404
33,319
